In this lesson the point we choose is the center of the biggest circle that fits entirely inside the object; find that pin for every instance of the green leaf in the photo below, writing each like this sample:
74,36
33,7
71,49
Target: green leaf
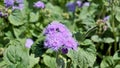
3,64
117,16
108,40
15,55
57,14
116,56
17,18
34,16
117,66
49,51
83,57
107,62
9,35
79,36
33,61
96,38
86,42
49,61
19,31
61,62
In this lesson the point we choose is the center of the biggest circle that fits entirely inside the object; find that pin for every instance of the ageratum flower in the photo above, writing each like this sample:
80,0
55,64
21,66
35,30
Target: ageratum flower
58,37
14,4
28,43
39,4
56,27
8,3
86,4
70,43
71,6
20,1
54,41
79,3
19,7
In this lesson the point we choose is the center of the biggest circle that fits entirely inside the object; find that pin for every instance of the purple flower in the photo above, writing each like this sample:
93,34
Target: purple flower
79,3
14,4
105,27
19,1
19,7
39,4
28,43
71,6
55,27
106,18
54,41
59,37
86,4
8,3
70,43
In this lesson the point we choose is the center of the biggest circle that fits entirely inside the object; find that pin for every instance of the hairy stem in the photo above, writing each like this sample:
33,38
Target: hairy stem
113,25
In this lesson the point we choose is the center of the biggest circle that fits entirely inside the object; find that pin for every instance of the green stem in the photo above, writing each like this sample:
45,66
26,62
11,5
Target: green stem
113,26
61,62
100,55
109,49
88,32
57,60
101,13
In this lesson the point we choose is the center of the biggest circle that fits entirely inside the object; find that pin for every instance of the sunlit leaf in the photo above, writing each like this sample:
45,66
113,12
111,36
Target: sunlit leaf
83,57
17,18
107,62
49,61
33,61
116,56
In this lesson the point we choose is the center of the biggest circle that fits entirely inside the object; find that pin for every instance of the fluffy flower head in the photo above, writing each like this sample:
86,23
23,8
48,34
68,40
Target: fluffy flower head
86,4
14,4
19,1
71,6
58,37
56,27
8,3
28,43
39,4
79,3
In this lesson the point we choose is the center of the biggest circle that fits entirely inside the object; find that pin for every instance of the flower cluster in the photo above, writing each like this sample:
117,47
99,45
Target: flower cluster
81,4
39,4
28,43
59,37
14,4
71,6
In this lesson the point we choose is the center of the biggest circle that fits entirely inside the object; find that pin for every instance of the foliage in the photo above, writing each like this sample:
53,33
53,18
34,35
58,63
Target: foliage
98,36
